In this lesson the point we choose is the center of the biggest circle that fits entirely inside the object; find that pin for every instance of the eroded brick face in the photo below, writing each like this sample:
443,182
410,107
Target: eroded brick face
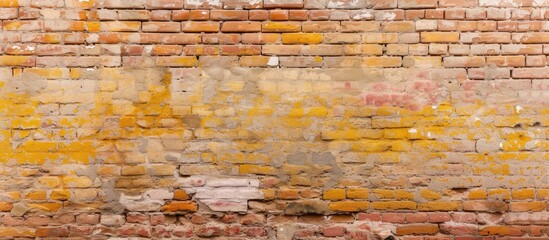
274,119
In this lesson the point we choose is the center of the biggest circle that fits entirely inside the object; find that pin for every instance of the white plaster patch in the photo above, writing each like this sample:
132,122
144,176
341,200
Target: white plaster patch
518,109
412,130
388,16
273,61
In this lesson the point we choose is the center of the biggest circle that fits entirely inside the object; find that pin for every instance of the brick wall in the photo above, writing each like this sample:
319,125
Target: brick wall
274,119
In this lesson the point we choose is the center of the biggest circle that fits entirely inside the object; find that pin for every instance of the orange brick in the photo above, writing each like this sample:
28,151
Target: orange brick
417,229
5,206
177,61
281,27
279,15
176,206
301,38
288,194
180,195
9,3
241,27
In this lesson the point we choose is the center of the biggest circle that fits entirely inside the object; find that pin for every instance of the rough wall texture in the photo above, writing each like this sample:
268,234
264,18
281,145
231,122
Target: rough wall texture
274,119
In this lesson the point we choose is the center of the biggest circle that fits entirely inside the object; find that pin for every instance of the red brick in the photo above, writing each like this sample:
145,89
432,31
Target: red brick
279,15
200,26
180,15
228,15
199,15
333,231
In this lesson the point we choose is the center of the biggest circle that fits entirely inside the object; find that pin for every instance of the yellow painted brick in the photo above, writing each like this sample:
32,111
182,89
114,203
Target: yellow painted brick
348,206
404,195
27,61
269,194
9,3
372,49
37,195
77,182
383,194
522,194
50,182
49,73
440,37
477,194
357,193
543,194
257,169
301,38
47,206
334,194
428,194
394,205
439,206
60,194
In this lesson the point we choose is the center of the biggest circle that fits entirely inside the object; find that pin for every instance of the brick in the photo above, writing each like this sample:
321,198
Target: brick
417,3
334,194
241,27
333,231
464,61
228,15
500,231
24,61
279,15
440,206
200,27
399,26
161,27
348,206
527,206
417,229
500,37
301,38
439,37
258,61
164,4
281,27
452,3
283,3
382,61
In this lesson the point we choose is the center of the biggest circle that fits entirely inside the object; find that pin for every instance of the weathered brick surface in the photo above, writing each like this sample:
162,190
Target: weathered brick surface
274,119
